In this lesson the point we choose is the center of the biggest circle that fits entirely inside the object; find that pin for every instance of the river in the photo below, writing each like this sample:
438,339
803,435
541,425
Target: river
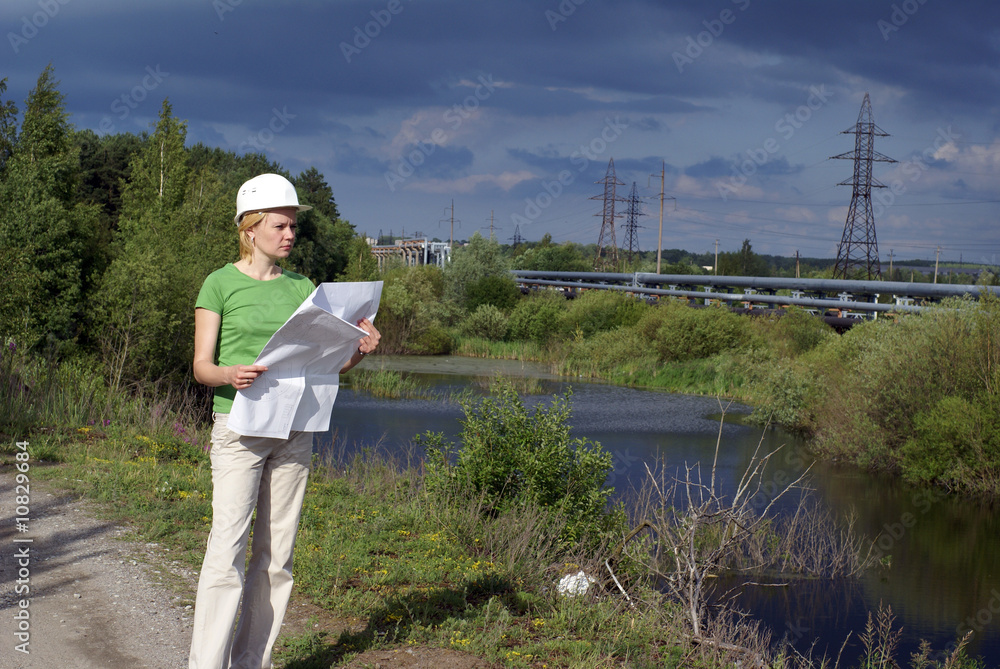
940,553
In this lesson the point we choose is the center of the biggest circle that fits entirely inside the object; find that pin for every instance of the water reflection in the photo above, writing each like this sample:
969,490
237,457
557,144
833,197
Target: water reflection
942,577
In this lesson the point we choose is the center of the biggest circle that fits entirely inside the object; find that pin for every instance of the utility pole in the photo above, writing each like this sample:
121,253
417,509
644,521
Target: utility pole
716,267
451,242
890,264
659,238
797,263
937,255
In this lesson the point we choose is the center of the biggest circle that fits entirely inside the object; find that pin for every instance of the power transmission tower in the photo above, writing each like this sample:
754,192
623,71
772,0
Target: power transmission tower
492,225
517,239
858,250
607,236
632,214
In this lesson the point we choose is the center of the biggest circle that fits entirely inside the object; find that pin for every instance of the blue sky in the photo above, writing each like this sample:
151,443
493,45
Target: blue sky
513,109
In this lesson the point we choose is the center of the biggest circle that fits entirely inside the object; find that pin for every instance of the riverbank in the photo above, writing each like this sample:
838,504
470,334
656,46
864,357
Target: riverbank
386,570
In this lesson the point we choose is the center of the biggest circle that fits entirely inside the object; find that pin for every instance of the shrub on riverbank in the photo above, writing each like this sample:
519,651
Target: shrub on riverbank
917,395
509,458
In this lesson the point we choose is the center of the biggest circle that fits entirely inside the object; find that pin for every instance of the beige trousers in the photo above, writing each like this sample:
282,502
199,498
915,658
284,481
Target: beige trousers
248,473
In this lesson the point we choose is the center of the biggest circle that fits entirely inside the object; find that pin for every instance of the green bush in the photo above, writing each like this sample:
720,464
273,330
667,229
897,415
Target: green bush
944,440
601,310
508,456
486,322
679,333
406,316
435,340
536,316
615,354
498,291
793,333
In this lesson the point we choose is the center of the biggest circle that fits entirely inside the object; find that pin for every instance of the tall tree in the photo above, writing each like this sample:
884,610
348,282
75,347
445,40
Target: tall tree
41,220
141,309
314,190
8,126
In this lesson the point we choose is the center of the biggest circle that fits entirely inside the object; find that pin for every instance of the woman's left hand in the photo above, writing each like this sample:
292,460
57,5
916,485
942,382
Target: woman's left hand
369,342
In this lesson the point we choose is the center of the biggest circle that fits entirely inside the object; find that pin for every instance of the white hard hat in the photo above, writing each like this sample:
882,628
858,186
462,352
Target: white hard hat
267,191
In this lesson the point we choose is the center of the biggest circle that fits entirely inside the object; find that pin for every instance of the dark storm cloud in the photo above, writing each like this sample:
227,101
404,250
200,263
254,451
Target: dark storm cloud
711,168
345,81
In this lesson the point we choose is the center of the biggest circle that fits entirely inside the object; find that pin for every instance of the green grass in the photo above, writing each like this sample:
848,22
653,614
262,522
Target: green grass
372,547
387,384
474,347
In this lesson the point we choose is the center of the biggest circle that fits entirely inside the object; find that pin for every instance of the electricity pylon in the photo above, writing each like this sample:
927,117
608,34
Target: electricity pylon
632,214
857,254
608,215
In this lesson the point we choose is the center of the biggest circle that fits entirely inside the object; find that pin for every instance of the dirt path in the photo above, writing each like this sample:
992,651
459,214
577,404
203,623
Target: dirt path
90,597
97,600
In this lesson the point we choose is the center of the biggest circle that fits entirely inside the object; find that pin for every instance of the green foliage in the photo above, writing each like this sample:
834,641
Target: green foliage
143,305
600,310
678,332
799,331
361,264
486,322
743,263
499,291
618,354
8,126
916,395
434,340
946,439
509,457
546,256
535,316
405,318
479,259
51,232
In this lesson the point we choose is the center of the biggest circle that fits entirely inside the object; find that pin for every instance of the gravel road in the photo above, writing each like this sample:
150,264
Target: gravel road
76,593
97,600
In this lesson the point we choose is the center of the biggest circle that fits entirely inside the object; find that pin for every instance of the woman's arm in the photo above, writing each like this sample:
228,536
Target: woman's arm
206,335
367,344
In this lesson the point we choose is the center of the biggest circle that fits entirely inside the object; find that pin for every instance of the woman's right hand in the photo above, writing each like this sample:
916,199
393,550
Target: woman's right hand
242,376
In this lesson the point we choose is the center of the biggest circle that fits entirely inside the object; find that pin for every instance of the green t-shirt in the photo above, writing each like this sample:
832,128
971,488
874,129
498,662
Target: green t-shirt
251,312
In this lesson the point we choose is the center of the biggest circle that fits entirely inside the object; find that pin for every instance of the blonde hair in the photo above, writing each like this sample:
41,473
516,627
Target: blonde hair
248,221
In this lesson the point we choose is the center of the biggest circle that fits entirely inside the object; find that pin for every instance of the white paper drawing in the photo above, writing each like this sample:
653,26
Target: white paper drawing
304,358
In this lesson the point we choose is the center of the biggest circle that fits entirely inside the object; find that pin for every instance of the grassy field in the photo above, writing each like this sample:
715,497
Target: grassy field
374,546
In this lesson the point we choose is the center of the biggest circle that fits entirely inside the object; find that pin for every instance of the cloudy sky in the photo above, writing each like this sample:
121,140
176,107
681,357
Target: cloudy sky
512,109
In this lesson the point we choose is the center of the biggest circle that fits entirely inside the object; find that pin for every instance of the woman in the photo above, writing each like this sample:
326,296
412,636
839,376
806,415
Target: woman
238,309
